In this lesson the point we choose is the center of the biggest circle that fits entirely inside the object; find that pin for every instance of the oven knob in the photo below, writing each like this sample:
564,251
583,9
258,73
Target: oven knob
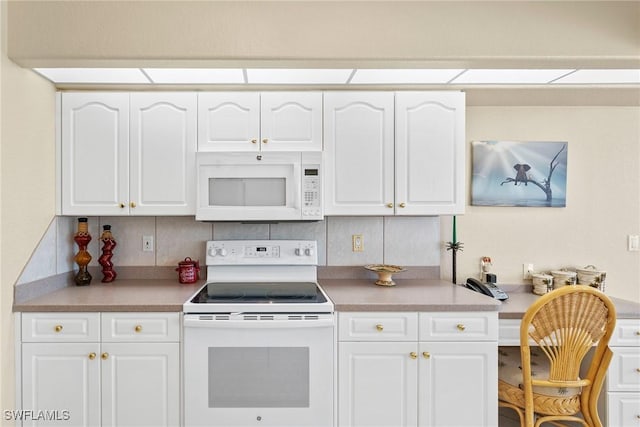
308,252
298,252
222,252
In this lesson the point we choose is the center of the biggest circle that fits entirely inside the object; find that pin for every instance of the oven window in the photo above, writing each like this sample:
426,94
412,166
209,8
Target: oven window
247,191
258,377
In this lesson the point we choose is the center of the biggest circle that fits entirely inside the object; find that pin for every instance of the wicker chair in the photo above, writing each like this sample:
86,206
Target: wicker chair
564,324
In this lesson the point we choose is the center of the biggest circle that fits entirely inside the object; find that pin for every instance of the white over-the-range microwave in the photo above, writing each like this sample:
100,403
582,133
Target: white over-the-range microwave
259,186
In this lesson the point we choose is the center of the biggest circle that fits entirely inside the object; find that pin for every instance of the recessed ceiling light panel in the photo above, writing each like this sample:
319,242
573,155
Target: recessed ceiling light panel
404,76
601,77
509,76
297,76
195,75
93,75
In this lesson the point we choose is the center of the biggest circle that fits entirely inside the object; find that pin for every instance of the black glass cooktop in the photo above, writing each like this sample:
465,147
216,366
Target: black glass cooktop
250,292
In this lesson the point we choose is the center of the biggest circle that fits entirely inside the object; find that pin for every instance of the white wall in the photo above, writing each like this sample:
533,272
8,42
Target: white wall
27,182
603,197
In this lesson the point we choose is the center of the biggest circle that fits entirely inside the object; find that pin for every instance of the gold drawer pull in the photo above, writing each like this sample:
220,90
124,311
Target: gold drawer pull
254,141
637,369
58,328
92,356
460,327
413,355
132,204
265,140
122,205
638,333
138,328
104,356
379,327
402,205
389,205
426,354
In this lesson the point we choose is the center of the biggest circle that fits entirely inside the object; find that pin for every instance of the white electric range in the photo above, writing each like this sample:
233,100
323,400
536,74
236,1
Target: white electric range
259,338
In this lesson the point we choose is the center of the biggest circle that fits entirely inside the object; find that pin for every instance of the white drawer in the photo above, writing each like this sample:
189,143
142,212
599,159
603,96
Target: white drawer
624,370
140,327
626,333
459,326
623,409
60,327
378,326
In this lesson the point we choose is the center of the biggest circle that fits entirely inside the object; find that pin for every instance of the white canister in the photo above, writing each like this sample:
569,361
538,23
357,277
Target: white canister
542,283
563,278
591,276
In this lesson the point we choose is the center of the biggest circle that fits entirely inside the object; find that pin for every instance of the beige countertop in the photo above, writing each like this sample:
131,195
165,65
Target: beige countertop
346,294
121,295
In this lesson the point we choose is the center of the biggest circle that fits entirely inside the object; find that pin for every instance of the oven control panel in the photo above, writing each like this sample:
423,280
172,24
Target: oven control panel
262,252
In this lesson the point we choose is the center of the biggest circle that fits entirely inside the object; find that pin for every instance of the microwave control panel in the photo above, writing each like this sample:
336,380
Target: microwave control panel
311,192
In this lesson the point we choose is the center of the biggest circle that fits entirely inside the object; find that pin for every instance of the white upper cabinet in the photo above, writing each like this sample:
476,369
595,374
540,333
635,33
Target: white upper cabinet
162,154
430,157
128,154
394,153
358,143
268,121
95,153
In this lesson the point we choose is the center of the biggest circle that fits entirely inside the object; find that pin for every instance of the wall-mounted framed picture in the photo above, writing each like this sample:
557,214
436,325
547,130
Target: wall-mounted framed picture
519,173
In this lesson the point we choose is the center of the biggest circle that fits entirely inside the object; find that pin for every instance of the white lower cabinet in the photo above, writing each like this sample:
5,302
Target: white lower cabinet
417,369
95,382
623,376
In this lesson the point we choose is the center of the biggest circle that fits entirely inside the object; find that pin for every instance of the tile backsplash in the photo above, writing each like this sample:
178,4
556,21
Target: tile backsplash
408,241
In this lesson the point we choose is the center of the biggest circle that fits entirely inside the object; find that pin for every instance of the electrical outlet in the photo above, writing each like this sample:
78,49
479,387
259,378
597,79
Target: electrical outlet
633,242
357,243
147,243
527,271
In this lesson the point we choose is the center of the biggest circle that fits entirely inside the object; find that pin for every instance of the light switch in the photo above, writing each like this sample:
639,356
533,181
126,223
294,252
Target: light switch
633,242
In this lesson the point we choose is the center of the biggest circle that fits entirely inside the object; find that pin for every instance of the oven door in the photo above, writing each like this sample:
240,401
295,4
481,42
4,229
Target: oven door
249,186
259,370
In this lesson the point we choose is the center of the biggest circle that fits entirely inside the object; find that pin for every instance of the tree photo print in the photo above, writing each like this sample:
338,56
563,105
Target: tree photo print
510,173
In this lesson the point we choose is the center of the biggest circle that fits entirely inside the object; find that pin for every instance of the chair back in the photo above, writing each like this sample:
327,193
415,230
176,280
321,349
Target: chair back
566,323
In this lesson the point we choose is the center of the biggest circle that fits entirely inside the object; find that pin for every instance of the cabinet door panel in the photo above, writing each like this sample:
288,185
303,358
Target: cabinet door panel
163,145
624,374
291,121
458,384
430,152
228,121
141,385
377,384
95,153
358,153
64,379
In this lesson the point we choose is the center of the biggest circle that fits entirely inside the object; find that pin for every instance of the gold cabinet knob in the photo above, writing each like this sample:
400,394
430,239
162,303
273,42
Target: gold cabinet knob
637,369
265,140
638,333
402,205
138,328
379,327
254,141
426,354
122,205
389,205
104,356
92,356
460,327
132,204
413,355
58,328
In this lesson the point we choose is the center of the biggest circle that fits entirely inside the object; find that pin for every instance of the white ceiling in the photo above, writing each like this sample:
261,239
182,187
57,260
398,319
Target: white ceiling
352,77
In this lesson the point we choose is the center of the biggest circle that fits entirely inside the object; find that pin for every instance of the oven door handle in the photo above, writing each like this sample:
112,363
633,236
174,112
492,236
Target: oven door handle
257,324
